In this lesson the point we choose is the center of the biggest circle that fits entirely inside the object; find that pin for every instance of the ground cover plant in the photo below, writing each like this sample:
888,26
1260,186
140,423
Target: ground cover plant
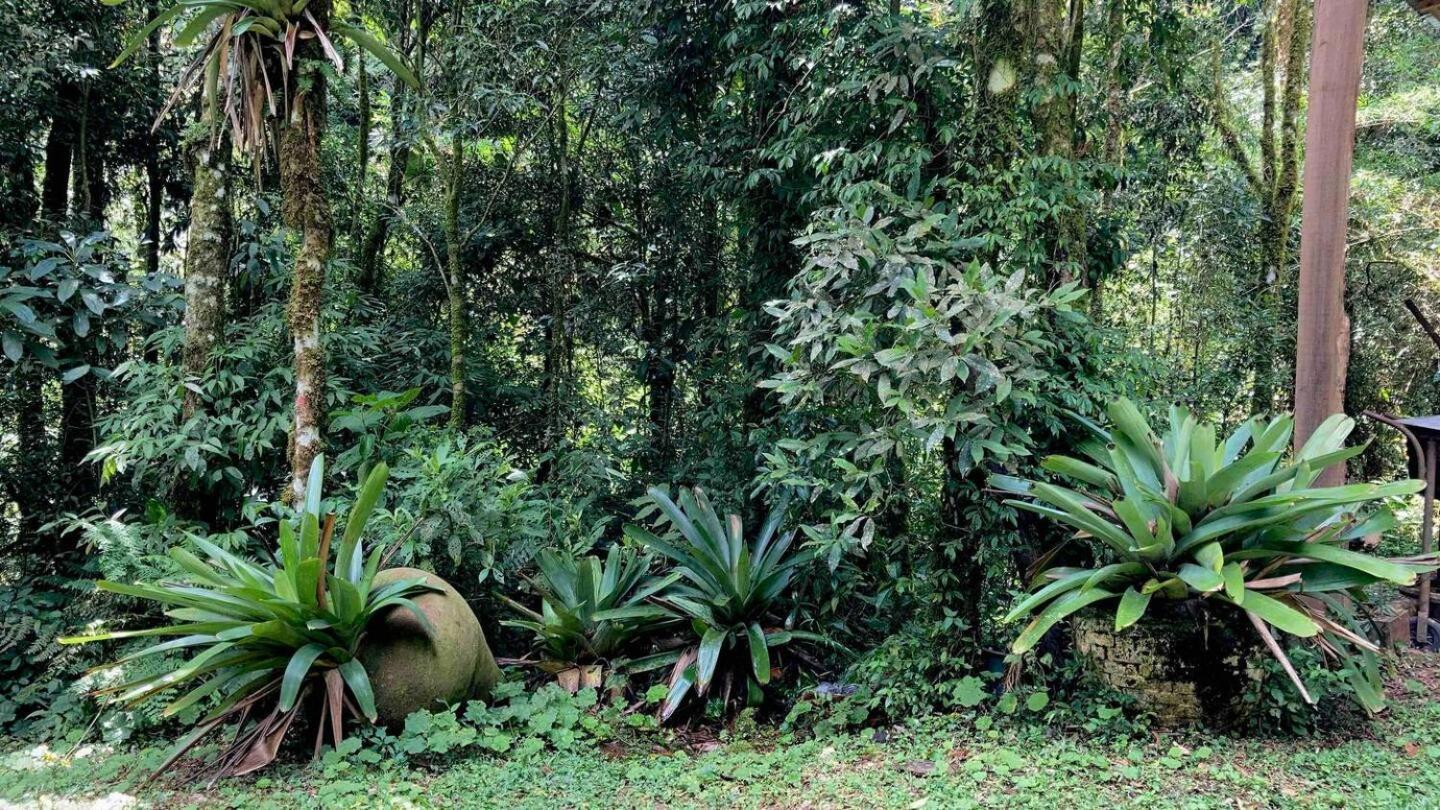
1029,759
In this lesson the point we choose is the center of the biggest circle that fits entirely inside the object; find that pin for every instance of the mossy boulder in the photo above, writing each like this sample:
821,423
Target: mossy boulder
412,669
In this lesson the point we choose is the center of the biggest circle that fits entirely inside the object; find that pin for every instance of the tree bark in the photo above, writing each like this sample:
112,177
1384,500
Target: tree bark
307,210
561,272
1279,176
1322,347
372,252
154,177
207,259
455,287
32,447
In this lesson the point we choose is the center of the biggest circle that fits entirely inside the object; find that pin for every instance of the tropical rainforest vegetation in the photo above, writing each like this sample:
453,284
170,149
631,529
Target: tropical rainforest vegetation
744,365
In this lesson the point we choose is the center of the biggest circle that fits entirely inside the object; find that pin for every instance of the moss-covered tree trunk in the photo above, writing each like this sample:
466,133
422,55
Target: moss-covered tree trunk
207,257
307,210
1058,36
455,286
372,250
560,273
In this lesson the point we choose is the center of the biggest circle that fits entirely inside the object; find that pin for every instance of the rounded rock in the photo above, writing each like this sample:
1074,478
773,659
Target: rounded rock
412,669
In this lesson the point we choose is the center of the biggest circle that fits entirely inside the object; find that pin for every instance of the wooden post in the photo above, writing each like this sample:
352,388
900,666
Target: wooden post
1322,347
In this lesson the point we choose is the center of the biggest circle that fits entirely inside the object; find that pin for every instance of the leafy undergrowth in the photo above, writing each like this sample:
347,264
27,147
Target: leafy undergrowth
938,763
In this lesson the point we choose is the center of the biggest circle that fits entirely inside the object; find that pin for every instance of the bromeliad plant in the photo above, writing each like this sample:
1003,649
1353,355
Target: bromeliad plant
247,67
267,637
1232,521
593,611
729,589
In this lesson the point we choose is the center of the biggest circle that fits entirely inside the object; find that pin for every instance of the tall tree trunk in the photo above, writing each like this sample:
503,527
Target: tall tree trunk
1001,74
17,187
1290,26
207,259
561,272
1322,348
372,252
774,218
154,178
307,209
77,439
1112,151
455,287
32,448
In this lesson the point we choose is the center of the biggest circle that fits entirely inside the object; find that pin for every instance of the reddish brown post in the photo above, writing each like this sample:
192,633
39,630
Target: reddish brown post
1323,346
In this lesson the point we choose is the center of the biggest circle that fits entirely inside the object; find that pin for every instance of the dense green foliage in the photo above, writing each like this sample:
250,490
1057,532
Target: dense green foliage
536,257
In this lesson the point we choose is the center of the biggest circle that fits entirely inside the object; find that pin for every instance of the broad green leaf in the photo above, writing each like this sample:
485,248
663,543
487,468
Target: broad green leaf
759,653
359,682
709,656
295,673
1059,609
1132,607
1279,614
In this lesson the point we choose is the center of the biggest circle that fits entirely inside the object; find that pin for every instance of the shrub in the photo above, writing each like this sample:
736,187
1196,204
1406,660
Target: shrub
1231,522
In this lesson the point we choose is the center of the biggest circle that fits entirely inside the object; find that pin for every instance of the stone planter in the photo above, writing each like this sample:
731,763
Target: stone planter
1181,662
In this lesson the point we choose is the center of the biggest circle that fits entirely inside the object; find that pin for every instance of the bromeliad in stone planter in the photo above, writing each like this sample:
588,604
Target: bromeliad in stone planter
1196,536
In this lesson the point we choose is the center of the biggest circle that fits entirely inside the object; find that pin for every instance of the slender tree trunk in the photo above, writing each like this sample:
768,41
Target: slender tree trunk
77,439
1279,178
17,185
32,447
459,316
774,218
561,272
207,259
154,177
362,157
307,210
154,207
80,202
372,252
1058,37
1113,149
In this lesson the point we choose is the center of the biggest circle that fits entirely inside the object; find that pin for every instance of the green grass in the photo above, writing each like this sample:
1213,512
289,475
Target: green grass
941,763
